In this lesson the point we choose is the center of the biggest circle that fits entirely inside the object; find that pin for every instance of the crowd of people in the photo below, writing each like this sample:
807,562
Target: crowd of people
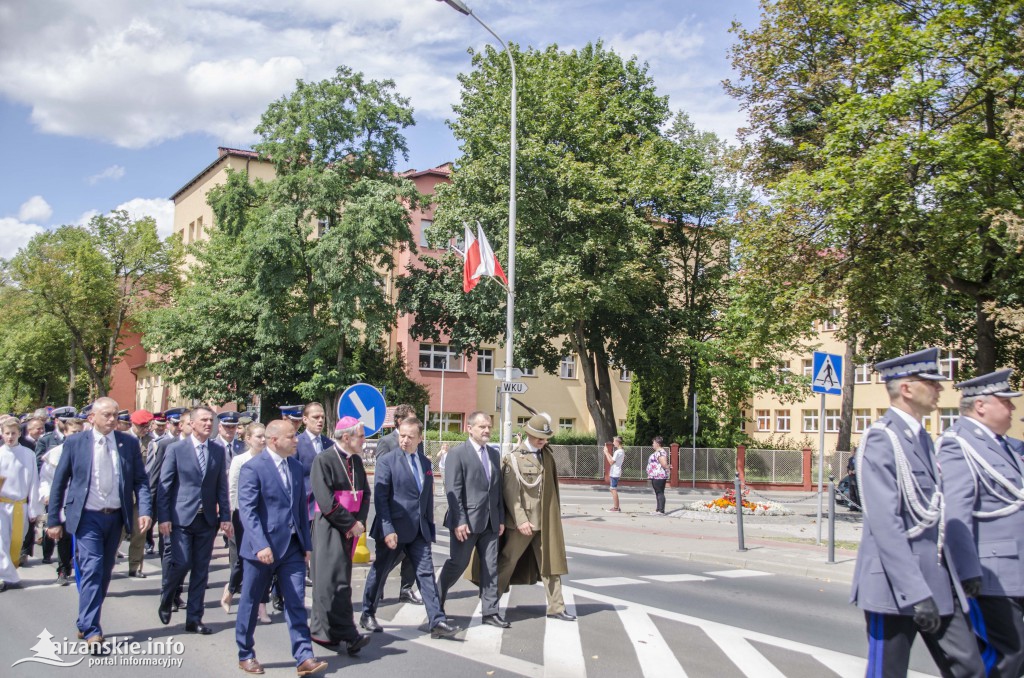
291,504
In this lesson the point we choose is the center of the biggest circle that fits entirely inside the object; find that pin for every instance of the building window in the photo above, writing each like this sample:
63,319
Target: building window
831,421
529,372
926,421
861,420
567,368
810,421
947,417
485,361
831,324
199,228
625,375
439,357
782,421
425,225
451,422
808,365
321,227
764,420
566,424
862,374
522,421
949,364
191,232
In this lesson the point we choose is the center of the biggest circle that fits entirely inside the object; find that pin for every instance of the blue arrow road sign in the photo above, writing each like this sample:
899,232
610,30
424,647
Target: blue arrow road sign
365,403
828,373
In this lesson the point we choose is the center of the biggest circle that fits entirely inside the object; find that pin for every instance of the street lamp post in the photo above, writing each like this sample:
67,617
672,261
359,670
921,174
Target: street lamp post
506,406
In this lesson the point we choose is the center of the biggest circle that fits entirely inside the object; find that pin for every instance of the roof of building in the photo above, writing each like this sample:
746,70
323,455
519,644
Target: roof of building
222,152
444,170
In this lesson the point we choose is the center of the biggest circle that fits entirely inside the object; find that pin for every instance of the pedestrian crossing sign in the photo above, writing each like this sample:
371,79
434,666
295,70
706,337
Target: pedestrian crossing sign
828,373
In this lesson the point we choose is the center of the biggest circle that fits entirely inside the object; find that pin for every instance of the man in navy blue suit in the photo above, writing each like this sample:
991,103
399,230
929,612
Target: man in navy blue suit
310,443
403,495
275,541
99,479
192,501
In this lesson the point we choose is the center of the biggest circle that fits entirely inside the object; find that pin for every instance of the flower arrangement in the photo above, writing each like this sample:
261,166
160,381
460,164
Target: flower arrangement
727,504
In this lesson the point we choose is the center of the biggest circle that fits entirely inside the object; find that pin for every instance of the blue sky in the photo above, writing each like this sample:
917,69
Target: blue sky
116,104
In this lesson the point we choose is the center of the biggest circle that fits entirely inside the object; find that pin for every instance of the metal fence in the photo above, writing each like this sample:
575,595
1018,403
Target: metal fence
579,461
774,466
712,464
835,463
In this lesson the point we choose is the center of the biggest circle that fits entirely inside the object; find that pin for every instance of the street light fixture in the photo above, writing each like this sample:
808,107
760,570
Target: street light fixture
506,408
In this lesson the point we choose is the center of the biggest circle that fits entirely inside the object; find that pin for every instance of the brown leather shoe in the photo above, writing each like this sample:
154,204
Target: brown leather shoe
95,645
251,666
311,666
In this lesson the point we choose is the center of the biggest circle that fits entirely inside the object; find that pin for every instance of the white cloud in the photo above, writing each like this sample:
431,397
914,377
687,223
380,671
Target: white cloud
160,209
16,235
35,209
114,172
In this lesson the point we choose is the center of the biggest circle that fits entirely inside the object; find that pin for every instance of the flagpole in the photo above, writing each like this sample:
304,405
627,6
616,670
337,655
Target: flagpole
510,315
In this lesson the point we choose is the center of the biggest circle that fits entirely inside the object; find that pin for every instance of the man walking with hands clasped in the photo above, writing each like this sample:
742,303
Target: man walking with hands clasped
476,515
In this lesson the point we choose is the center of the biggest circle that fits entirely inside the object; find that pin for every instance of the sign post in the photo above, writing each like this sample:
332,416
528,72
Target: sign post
827,379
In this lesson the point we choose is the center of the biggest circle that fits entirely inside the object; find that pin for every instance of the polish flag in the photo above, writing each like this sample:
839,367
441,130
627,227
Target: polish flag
480,260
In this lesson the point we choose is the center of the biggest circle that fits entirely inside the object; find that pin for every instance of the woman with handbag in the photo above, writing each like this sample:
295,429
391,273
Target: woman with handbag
342,498
657,473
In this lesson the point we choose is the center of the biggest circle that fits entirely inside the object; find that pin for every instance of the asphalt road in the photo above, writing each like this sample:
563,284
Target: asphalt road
639,615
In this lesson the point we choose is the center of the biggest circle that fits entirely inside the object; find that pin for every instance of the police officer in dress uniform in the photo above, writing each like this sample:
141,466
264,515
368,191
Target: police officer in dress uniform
227,436
984,490
905,579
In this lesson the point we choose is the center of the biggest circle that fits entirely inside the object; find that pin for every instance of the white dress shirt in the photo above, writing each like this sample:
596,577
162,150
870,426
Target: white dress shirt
96,499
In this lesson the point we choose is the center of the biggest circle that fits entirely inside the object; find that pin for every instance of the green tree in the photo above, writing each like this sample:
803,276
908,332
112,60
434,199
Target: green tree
288,291
882,133
95,281
589,147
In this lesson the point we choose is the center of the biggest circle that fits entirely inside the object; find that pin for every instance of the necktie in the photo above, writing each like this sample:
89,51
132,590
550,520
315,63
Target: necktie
925,440
317,445
1005,446
106,469
486,462
415,472
202,458
283,467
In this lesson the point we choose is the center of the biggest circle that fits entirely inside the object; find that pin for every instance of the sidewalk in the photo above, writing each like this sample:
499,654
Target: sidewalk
779,544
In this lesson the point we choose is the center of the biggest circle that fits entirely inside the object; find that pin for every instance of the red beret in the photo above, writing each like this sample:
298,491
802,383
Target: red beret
141,417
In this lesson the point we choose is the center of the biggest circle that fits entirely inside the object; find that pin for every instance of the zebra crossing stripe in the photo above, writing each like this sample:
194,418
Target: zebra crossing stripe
741,653
652,652
563,646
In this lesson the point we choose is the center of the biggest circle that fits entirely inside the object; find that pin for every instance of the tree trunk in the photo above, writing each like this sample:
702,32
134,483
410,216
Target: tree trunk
985,358
71,374
846,411
595,379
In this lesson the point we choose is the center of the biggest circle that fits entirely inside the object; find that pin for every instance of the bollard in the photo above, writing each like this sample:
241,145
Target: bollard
831,518
362,554
739,512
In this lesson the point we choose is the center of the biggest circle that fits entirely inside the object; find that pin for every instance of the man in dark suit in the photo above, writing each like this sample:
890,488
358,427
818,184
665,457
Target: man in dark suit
193,499
403,492
227,436
385,446
476,515
98,480
178,427
61,417
275,541
906,579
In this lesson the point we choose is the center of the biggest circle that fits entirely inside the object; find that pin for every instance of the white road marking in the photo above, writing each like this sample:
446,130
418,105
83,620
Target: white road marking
738,574
563,647
741,653
655,656
673,578
592,552
601,582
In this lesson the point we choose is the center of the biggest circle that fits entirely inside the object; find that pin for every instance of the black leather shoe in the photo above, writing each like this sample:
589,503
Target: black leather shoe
355,646
444,630
62,581
165,615
496,620
563,615
309,582
198,627
369,622
410,596
177,604
279,603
